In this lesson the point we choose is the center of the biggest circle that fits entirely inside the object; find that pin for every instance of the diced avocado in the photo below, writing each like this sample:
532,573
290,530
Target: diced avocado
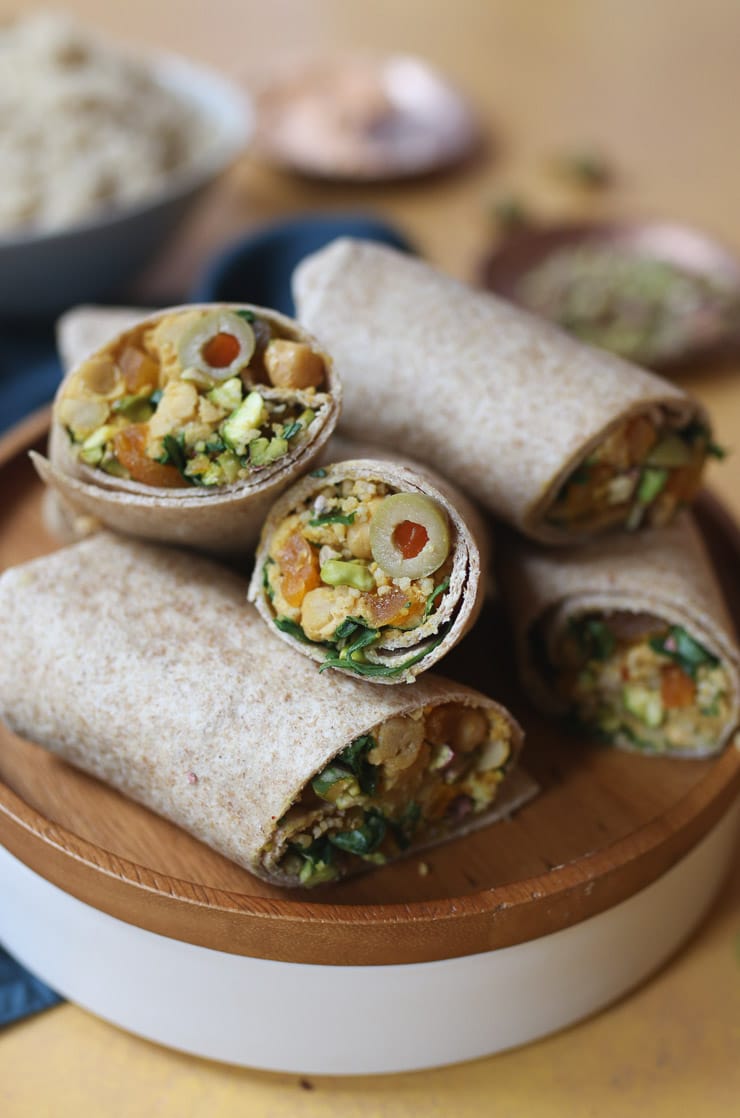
223,470
240,427
652,482
264,451
227,395
672,450
337,572
644,704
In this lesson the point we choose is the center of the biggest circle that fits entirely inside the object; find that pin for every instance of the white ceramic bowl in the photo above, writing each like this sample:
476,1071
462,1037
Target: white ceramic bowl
43,273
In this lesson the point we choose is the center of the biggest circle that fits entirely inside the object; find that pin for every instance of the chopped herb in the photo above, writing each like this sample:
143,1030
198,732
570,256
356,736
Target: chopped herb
714,450
594,637
429,606
365,839
248,316
215,445
332,518
266,585
678,646
174,454
321,472
355,758
155,397
291,429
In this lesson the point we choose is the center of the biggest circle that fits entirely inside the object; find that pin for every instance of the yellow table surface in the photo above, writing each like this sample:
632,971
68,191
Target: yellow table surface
654,85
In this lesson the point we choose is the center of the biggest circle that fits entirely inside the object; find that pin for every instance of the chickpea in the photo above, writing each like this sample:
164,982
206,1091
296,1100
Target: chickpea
358,541
293,364
462,728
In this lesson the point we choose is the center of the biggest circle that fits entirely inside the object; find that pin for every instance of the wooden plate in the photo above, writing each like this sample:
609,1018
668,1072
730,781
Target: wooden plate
605,825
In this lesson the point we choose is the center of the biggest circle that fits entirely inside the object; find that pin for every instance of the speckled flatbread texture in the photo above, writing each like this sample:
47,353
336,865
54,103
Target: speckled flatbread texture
499,401
146,667
222,521
666,573
464,597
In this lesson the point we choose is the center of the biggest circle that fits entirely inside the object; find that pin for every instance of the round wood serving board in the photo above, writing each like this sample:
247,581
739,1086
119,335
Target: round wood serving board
605,824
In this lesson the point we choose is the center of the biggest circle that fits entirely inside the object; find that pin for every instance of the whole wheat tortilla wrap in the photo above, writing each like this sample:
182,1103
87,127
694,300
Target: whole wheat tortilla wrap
630,638
185,425
371,566
559,439
146,667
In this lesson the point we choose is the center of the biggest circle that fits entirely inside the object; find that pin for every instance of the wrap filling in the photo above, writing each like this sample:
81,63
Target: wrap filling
359,567
202,397
411,781
630,679
639,476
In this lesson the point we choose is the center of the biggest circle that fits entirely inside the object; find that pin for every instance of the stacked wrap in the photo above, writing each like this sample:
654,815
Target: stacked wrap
143,666
225,520
665,574
499,401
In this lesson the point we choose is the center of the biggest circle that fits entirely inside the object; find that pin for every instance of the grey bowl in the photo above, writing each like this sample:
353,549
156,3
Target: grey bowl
42,274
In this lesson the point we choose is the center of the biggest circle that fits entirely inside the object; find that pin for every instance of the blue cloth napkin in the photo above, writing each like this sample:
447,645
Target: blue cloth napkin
20,993
29,370
257,270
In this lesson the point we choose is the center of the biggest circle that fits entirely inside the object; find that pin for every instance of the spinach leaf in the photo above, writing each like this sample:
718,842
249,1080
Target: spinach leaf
321,472
355,758
285,625
215,445
174,455
680,647
353,634
291,429
318,861
324,781
362,840
429,607
248,316
382,671
332,518
266,580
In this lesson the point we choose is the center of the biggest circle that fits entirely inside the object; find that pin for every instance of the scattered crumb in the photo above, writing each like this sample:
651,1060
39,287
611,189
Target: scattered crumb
192,778
423,869
306,1084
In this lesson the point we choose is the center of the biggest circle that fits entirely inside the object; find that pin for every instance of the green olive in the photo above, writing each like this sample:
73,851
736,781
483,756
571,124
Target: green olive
218,343
409,535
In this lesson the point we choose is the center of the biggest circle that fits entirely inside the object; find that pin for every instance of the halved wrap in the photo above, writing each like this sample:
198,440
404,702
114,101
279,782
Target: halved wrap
185,425
631,639
562,440
146,667
371,567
